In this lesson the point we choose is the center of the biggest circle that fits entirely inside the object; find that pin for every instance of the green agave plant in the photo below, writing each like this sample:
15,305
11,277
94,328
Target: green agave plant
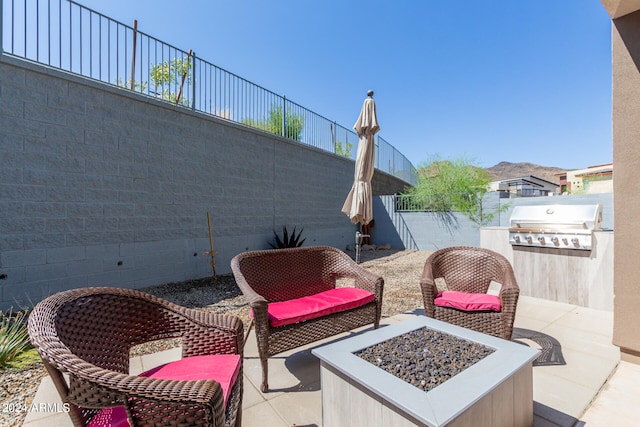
287,241
14,337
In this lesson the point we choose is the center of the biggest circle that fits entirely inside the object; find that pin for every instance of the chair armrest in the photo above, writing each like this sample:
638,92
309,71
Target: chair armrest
257,303
509,292
509,284
211,333
345,267
429,291
139,393
509,298
184,410
252,297
428,288
364,279
206,392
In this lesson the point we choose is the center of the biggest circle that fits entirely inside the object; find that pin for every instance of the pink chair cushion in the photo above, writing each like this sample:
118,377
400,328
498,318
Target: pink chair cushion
468,302
317,305
223,368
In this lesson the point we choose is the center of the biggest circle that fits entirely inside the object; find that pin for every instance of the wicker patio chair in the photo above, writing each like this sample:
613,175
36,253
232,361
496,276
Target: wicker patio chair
86,334
471,270
276,275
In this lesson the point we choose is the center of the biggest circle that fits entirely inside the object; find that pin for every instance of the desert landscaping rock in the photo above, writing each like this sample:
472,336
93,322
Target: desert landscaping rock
425,358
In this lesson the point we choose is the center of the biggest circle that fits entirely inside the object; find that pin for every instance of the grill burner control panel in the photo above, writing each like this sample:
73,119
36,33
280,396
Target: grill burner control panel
558,241
555,226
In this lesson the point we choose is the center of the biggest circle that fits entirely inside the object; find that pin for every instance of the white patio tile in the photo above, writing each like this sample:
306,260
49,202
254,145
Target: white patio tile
300,408
251,395
618,403
542,310
582,341
588,320
262,415
581,368
561,393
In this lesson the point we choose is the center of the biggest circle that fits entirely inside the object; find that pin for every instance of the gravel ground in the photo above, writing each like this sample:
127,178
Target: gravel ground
423,357
401,271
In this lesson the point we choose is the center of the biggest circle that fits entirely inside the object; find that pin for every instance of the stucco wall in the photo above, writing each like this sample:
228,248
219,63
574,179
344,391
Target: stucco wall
99,186
419,230
626,158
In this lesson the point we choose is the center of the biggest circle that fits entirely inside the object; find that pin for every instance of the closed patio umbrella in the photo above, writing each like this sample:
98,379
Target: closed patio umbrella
358,204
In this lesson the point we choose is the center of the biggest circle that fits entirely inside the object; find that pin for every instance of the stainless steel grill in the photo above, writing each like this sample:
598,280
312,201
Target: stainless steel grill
555,226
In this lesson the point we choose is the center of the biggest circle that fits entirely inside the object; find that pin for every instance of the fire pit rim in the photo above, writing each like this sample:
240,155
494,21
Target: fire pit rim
445,402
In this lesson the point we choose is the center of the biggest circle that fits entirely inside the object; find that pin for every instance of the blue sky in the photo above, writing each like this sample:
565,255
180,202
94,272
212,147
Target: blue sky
490,81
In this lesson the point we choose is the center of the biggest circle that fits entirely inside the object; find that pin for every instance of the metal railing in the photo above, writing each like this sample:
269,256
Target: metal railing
66,35
423,202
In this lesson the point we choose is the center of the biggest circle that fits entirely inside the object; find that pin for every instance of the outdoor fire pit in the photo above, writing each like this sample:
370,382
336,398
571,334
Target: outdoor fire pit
425,358
478,379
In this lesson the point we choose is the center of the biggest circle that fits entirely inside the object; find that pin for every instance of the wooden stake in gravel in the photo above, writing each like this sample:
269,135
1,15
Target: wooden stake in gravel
210,252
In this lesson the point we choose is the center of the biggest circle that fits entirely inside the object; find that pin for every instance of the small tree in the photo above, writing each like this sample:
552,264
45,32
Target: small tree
455,186
277,123
293,123
341,151
137,86
167,76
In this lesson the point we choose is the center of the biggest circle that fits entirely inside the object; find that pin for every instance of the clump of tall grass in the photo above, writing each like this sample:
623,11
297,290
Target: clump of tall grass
14,337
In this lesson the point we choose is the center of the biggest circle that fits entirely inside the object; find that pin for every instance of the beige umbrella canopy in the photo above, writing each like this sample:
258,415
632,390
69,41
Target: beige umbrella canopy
358,204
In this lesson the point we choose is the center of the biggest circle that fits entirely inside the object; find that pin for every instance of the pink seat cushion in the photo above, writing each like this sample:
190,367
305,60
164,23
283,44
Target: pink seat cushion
317,305
223,368
468,302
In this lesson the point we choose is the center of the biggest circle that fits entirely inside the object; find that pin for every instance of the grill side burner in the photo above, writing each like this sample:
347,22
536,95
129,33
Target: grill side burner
555,226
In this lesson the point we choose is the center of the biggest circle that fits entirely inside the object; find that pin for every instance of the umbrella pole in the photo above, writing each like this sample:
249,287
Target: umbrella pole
359,237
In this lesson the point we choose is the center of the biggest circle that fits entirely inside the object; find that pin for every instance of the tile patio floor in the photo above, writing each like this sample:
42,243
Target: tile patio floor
580,382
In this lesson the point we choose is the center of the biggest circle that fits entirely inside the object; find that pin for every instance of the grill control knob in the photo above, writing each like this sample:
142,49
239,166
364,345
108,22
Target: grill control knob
529,239
516,239
554,239
575,241
565,241
541,240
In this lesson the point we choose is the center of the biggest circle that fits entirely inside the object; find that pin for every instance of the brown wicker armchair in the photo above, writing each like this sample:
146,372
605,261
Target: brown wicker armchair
277,275
471,270
88,333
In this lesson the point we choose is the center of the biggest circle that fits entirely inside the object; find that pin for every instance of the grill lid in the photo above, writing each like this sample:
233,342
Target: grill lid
555,226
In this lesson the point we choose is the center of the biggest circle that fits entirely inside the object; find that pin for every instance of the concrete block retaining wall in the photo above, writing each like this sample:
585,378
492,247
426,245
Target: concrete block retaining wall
102,187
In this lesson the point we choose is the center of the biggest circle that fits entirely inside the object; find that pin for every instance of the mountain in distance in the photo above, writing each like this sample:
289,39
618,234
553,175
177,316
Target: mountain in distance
507,170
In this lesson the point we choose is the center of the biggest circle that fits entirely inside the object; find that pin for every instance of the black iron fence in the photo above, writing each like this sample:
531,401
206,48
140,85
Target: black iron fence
66,35
423,202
